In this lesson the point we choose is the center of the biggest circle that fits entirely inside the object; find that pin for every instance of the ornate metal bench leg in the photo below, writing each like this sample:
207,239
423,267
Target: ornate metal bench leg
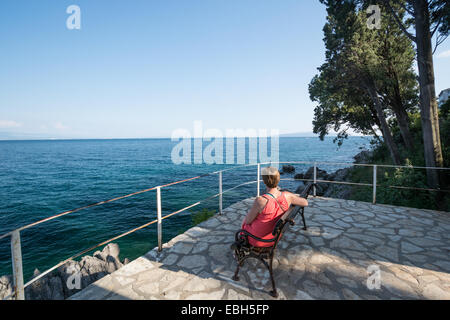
303,218
236,277
273,292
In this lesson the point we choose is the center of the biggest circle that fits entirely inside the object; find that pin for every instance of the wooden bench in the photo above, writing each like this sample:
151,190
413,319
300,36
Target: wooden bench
243,250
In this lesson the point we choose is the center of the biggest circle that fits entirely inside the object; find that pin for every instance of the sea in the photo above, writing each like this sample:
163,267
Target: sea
41,178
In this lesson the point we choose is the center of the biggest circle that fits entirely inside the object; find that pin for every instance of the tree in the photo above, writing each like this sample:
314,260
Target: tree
366,77
430,17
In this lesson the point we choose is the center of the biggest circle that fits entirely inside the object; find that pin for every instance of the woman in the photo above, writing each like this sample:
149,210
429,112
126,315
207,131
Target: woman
269,208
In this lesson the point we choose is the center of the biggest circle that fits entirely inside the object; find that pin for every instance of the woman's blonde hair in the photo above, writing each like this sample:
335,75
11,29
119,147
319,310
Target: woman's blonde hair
270,176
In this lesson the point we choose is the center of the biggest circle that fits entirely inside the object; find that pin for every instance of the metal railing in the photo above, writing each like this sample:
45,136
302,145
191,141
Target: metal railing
16,248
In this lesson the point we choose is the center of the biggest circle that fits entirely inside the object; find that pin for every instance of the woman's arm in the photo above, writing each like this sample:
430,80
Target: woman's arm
258,206
296,200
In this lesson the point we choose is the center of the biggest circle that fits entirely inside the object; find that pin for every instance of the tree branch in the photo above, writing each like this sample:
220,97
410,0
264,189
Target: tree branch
399,22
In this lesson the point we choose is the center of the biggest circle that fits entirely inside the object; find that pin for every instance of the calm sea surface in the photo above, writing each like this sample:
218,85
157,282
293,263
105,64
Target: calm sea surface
39,179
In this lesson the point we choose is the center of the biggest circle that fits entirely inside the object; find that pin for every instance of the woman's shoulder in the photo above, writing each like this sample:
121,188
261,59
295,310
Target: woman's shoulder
286,194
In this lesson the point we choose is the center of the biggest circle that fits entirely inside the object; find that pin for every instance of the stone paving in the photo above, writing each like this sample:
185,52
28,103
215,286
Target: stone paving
348,244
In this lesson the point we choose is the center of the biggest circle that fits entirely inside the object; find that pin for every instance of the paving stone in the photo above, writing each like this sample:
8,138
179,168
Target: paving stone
234,295
387,252
200,247
397,286
182,247
350,295
216,295
347,282
319,259
330,233
302,295
346,243
434,292
170,259
410,248
192,261
320,291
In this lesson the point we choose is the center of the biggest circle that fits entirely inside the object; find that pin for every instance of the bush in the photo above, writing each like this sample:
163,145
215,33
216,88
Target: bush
202,215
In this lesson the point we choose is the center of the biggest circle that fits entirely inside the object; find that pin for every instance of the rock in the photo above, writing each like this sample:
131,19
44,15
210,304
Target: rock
287,168
339,175
300,188
299,176
55,285
364,156
320,174
6,286
112,249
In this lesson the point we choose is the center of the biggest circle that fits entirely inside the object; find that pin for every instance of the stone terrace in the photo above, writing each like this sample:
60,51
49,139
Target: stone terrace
411,247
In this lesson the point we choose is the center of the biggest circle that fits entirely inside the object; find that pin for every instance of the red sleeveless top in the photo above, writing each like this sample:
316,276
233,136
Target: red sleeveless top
265,221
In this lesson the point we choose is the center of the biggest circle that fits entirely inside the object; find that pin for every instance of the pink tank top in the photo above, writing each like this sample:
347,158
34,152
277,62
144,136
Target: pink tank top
265,221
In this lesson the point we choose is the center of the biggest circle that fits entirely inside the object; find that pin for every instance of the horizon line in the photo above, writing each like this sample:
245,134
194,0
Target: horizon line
161,138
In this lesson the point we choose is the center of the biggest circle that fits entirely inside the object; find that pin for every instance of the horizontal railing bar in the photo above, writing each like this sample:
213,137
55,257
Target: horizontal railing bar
419,189
364,184
237,167
328,181
243,184
356,164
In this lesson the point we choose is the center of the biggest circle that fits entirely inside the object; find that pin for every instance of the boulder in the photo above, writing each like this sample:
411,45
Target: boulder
300,188
320,174
6,286
364,156
287,168
299,176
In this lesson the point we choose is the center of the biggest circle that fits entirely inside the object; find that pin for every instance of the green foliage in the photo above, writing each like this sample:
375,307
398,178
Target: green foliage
444,125
404,177
202,215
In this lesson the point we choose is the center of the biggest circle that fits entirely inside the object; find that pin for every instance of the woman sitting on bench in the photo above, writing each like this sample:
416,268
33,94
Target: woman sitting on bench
269,208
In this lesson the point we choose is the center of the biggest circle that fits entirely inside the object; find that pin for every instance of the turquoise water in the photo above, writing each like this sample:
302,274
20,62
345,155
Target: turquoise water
39,179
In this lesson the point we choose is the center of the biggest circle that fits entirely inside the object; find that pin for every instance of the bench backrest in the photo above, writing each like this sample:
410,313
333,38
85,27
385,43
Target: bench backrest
282,225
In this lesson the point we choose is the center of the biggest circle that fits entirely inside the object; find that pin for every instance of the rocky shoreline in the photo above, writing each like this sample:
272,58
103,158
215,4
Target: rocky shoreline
69,278
330,190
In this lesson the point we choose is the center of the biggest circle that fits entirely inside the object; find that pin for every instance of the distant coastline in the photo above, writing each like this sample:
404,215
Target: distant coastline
21,137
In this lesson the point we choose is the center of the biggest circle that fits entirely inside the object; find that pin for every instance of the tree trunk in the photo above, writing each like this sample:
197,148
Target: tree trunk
384,127
402,116
428,104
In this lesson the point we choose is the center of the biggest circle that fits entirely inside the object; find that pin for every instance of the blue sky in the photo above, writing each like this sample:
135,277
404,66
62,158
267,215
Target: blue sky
145,68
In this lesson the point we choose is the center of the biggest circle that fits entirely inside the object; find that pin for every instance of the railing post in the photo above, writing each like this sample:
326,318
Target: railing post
258,179
220,192
315,178
158,209
16,254
374,198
